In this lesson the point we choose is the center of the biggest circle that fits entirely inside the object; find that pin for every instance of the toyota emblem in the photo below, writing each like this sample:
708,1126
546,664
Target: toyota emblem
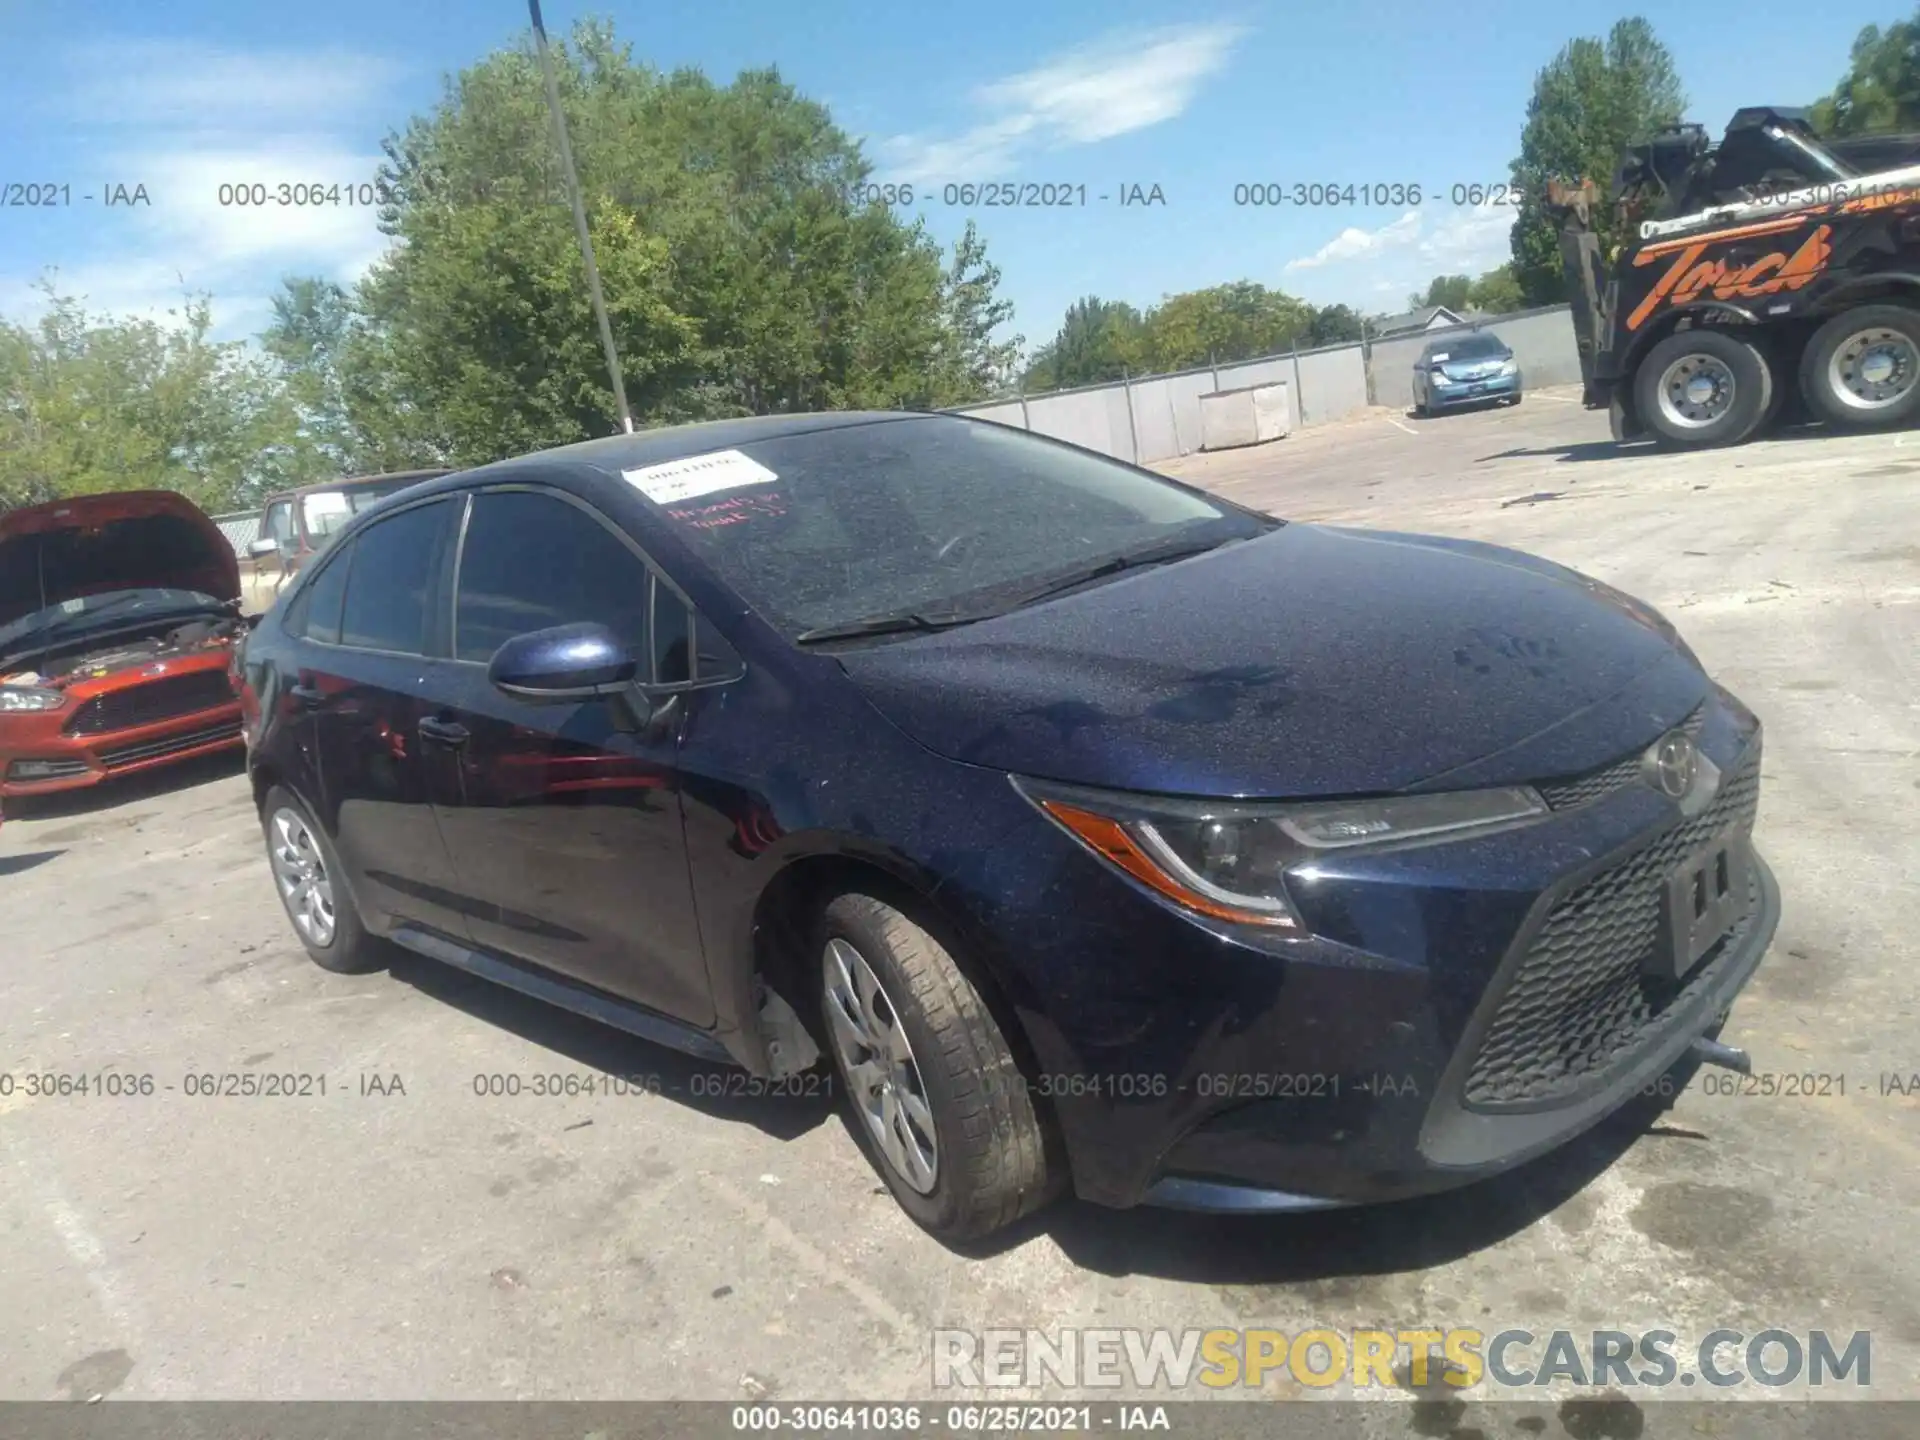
1672,764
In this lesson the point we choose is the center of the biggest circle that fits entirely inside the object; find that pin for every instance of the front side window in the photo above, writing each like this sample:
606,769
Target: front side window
390,586
533,561
917,515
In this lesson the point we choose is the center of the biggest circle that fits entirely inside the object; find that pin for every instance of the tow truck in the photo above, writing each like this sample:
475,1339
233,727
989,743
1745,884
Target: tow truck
1773,270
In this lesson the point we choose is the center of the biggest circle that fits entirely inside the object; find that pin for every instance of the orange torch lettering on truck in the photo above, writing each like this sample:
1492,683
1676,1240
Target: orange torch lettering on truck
1689,274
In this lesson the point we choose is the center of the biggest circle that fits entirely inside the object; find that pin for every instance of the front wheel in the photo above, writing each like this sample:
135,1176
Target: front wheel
1703,387
939,1101
1862,368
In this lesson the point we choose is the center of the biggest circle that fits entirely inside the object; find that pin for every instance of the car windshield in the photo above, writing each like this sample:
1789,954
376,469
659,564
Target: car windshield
107,610
1470,347
925,516
327,511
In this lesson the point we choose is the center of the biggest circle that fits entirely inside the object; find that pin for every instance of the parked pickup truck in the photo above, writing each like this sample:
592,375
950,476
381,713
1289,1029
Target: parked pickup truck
296,525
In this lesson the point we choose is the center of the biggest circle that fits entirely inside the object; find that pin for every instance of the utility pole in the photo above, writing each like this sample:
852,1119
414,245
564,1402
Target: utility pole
580,217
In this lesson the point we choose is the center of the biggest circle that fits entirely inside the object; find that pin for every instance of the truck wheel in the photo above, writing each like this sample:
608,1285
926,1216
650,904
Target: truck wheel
1862,368
938,1099
1702,387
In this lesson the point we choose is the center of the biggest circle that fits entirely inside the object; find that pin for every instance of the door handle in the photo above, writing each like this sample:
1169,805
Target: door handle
305,696
443,732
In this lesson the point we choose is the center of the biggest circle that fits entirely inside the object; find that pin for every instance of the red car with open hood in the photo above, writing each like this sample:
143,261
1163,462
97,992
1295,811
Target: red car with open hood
119,615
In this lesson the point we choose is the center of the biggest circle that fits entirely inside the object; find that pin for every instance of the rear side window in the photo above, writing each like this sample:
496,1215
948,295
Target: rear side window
533,561
316,609
390,589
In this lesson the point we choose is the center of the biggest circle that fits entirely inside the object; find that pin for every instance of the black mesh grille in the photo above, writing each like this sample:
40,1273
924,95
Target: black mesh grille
152,702
1585,789
1579,1000
121,756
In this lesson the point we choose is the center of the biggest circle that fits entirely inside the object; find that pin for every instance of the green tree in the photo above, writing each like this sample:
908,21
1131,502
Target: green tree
1334,325
1593,100
1881,89
91,403
1236,321
974,363
1496,292
743,273
1448,290
1099,340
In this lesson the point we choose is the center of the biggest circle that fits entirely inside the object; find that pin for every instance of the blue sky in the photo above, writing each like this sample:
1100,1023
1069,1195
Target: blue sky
1195,97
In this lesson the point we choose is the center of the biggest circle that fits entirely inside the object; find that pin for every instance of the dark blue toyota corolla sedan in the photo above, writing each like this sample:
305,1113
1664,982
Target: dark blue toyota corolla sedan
1084,829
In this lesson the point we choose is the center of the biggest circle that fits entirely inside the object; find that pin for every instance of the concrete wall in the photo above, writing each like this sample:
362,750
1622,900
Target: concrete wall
1095,418
1333,382
1163,411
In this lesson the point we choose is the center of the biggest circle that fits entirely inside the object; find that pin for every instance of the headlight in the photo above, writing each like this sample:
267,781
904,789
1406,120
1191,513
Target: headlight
1441,377
15,699
1228,859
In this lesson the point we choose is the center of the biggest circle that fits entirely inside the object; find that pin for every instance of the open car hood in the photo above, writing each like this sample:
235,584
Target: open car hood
92,544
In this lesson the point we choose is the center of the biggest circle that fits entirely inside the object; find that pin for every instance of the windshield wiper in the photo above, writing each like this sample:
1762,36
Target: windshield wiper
1141,560
891,624
902,621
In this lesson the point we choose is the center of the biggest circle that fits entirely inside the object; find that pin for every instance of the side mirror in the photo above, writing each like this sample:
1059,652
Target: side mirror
567,662
266,545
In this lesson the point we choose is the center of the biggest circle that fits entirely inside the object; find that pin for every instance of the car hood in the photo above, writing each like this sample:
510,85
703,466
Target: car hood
162,541
1312,661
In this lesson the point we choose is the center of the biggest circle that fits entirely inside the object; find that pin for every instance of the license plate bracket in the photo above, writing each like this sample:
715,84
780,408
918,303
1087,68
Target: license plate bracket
1705,897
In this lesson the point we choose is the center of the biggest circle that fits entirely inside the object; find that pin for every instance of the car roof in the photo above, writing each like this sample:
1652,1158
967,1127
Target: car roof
358,482
614,453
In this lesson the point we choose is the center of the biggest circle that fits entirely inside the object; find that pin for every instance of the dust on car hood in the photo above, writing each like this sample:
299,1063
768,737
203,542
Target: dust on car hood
1311,661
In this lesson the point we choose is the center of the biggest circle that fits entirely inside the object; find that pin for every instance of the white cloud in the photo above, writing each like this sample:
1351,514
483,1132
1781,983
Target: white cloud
1404,254
1124,83
183,121
1353,242
184,83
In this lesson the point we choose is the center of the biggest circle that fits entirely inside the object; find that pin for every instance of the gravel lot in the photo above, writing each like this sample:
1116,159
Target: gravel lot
401,1236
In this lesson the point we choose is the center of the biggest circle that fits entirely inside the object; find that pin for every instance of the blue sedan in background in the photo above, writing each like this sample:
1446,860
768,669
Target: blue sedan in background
1469,369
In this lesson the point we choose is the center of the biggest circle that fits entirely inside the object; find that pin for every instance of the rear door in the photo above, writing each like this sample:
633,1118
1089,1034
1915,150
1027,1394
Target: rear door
564,826
363,678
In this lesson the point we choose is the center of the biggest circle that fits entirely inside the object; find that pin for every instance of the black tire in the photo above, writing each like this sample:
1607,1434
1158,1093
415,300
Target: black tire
1823,369
349,949
1751,380
992,1162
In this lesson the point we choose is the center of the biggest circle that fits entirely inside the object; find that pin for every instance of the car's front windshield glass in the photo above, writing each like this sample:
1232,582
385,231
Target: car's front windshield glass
921,515
1471,347
327,511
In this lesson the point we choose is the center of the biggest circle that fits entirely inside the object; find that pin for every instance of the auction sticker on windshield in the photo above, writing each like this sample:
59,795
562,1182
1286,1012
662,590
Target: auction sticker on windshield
677,480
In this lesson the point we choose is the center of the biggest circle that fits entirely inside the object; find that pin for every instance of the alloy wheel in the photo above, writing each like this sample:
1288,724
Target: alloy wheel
300,872
878,1062
1873,369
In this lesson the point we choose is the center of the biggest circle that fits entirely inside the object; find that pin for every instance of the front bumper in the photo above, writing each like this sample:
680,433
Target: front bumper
1473,392
46,761
1379,1058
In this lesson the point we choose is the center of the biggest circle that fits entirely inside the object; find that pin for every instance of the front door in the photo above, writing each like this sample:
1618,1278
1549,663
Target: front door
364,682
265,572
564,820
